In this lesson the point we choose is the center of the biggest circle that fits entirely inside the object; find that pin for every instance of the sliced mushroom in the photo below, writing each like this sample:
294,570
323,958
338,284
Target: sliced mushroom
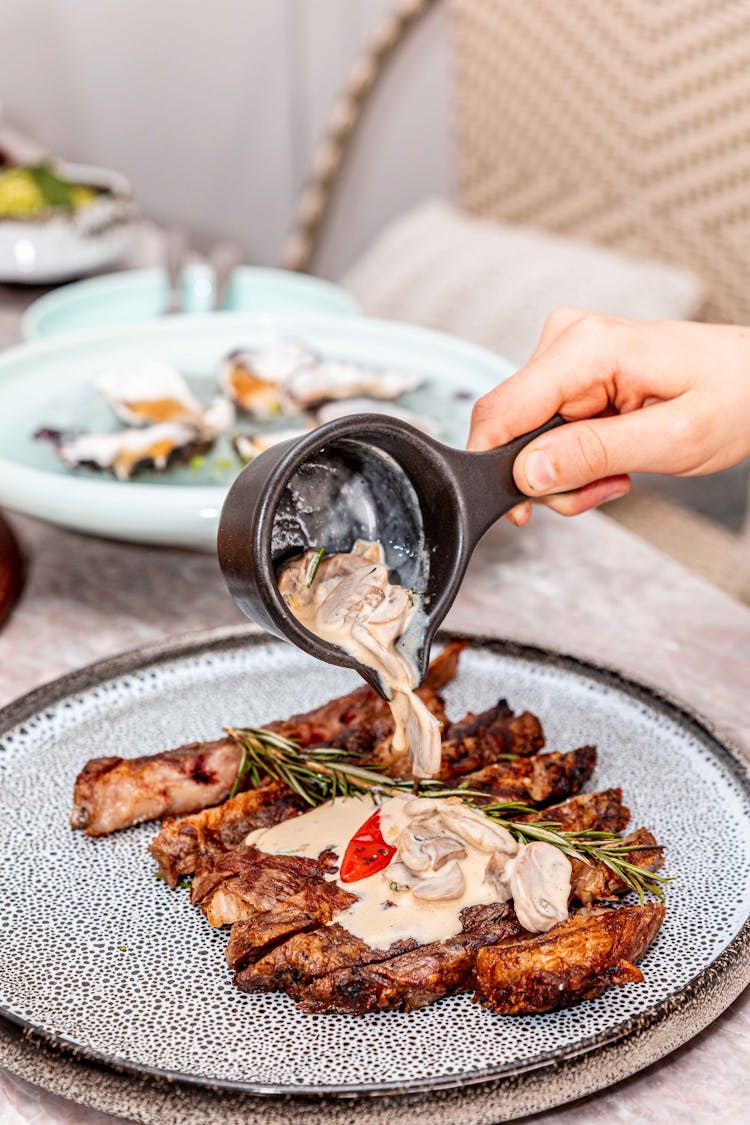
496,875
421,853
398,876
446,884
411,851
476,828
539,879
420,807
441,849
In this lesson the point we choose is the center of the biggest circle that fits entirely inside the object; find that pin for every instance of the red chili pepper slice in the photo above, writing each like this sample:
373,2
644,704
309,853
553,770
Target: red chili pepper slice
366,852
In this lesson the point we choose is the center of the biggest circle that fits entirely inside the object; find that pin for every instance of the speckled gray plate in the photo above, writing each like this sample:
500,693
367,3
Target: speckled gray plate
98,957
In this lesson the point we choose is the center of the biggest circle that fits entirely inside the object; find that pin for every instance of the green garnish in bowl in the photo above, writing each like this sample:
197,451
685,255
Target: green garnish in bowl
33,191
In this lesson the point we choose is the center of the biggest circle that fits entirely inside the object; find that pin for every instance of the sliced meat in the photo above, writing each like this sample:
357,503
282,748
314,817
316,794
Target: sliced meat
603,812
182,842
597,883
473,742
252,938
113,793
478,740
537,779
357,722
415,978
372,737
241,883
444,667
294,965
575,961
308,909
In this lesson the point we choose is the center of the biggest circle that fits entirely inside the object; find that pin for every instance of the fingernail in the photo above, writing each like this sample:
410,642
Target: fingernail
540,472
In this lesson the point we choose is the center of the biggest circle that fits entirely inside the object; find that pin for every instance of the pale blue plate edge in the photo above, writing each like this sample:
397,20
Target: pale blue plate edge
75,292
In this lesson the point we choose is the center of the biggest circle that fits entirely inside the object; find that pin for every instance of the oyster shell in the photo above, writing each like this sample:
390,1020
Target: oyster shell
153,392
344,407
308,387
252,378
126,451
250,446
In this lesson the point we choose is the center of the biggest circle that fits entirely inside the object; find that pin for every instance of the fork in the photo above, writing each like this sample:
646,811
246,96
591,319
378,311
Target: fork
224,259
175,251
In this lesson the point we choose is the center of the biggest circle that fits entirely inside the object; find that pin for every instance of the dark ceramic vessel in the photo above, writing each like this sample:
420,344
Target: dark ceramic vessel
373,477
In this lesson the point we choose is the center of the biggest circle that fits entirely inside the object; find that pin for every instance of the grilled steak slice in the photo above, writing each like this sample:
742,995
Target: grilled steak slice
242,883
113,793
444,667
603,811
308,909
253,938
597,883
536,779
294,965
472,742
357,722
478,740
575,961
182,841
415,978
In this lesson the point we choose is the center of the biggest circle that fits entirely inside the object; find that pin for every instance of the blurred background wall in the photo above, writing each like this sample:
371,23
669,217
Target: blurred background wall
212,108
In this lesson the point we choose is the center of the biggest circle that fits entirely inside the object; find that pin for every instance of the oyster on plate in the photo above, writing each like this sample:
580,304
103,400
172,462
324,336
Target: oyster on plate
124,452
332,380
287,378
156,392
252,378
249,446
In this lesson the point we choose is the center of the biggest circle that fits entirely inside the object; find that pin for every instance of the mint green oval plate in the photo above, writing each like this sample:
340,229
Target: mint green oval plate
50,384
132,296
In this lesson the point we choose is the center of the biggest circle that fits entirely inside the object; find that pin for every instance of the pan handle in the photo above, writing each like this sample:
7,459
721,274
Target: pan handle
485,481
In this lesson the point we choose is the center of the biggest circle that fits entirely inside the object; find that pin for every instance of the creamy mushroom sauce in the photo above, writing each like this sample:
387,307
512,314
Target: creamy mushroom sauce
449,856
349,601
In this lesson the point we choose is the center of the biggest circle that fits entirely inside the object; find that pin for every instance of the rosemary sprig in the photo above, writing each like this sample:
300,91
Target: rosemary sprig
589,846
321,774
312,569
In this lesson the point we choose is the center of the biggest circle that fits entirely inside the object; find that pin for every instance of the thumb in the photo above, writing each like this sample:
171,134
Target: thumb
646,440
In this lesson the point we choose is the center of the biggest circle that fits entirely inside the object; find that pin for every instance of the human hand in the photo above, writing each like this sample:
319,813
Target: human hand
641,396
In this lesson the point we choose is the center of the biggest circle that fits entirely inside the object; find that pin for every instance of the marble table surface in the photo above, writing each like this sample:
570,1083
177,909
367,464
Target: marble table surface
584,586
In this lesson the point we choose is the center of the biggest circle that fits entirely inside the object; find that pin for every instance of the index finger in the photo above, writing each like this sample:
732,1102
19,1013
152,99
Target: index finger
578,365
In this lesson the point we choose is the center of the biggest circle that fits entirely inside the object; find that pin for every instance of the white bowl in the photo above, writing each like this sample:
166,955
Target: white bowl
66,245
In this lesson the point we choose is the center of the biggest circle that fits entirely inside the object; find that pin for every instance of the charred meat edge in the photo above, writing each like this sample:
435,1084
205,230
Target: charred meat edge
575,961
535,780
183,840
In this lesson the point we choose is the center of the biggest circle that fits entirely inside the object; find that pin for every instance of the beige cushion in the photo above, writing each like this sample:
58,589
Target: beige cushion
495,284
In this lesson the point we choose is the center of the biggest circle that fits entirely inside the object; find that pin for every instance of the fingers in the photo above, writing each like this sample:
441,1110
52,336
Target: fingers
574,503
556,323
590,496
521,514
655,439
576,368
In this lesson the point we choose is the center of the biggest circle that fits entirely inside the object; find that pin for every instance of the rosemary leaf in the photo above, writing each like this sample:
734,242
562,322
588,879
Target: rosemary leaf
312,569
